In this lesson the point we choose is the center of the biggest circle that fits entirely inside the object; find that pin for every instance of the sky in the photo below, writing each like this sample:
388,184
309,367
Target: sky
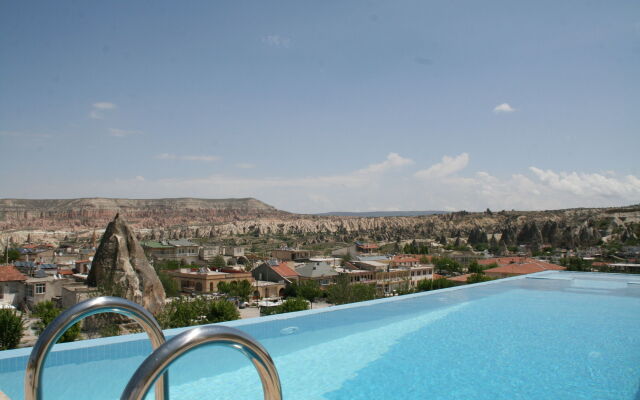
316,106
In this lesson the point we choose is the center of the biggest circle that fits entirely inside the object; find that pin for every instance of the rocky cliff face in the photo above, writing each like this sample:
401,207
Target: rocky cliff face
76,214
120,268
189,218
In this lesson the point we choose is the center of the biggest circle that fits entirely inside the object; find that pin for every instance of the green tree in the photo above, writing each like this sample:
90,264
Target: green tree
11,327
47,312
218,262
10,255
170,286
433,284
476,278
446,265
344,292
222,310
309,290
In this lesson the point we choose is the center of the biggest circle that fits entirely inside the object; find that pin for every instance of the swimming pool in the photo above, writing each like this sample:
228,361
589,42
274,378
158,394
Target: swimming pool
552,335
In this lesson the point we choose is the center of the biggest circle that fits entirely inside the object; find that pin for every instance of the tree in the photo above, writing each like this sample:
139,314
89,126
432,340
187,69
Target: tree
47,312
218,262
310,290
10,255
11,326
232,261
344,292
476,278
170,286
433,284
446,265
240,289
475,268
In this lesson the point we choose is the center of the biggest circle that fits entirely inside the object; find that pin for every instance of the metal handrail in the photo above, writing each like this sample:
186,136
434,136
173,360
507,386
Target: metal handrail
165,355
98,305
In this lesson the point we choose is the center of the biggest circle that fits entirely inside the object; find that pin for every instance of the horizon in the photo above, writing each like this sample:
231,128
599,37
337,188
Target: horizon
312,107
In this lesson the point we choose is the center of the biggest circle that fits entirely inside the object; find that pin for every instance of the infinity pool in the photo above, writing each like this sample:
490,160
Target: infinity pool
553,335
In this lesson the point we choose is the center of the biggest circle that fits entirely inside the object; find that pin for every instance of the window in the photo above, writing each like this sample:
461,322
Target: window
40,288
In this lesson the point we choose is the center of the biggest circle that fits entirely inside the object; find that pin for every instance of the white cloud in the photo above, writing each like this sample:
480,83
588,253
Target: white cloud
123,133
448,187
168,156
447,166
98,109
503,108
276,41
394,160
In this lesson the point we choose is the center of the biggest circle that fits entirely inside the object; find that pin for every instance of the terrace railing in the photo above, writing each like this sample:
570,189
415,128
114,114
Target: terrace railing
98,305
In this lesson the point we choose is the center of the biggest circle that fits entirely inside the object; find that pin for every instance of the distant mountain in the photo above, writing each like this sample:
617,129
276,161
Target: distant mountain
97,212
367,214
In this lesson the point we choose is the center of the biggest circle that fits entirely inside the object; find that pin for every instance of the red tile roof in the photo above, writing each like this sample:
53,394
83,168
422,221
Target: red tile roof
9,273
503,260
284,271
65,272
460,278
525,268
404,259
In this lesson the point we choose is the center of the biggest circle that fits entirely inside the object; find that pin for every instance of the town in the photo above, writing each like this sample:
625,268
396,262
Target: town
42,276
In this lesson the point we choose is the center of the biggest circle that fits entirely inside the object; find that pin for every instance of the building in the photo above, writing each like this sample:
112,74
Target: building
388,280
266,289
182,250
11,286
273,271
321,272
203,280
514,266
208,253
366,248
404,261
289,254
233,251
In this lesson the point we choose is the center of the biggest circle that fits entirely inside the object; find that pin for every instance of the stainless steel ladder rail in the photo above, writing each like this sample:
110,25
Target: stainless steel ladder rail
158,362
98,305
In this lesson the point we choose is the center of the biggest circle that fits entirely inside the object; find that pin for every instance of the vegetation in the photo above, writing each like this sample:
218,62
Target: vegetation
47,312
307,289
444,265
480,277
240,289
10,255
433,284
218,262
11,326
171,288
415,248
575,264
344,292
183,311
290,305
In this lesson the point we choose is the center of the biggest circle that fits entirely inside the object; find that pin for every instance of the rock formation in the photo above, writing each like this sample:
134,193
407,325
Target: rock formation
120,268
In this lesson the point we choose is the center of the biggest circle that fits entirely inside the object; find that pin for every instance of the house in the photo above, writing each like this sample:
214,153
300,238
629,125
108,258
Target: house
233,251
266,289
320,272
366,248
403,260
289,254
83,266
182,250
273,271
203,280
11,286
208,253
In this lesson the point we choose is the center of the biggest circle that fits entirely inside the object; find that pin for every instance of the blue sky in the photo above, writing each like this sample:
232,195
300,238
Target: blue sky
325,105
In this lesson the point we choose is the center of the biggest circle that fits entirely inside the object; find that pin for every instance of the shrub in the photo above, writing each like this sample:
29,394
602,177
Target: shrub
184,311
433,284
11,326
47,312
290,305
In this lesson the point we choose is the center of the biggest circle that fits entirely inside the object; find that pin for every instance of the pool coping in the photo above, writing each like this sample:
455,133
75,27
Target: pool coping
26,351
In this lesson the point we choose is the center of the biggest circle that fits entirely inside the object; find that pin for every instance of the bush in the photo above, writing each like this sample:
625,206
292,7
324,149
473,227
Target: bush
184,311
289,305
433,284
11,326
344,292
476,278
47,312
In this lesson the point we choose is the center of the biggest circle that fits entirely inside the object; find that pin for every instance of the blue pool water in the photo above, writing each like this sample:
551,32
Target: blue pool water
568,336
